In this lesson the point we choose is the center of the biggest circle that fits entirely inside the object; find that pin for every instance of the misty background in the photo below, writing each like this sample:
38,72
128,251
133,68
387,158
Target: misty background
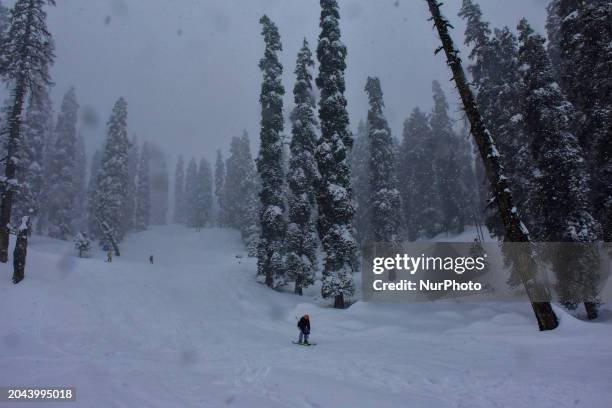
189,72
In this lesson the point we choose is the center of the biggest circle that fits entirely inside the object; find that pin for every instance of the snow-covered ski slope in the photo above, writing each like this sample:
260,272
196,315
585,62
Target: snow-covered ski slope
196,330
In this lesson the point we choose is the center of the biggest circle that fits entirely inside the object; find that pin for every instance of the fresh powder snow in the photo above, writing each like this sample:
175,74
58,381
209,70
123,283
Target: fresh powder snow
195,329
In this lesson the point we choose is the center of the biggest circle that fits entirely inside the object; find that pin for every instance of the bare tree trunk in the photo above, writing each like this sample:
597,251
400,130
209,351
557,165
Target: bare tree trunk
339,302
514,228
21,251
591,309
269,278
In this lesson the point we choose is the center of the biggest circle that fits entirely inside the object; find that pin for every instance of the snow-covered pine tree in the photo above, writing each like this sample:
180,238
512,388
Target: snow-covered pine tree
454,195
500,98
418,178
27,53
271,251
190,193
360,179
232,194
477,35
497,81
499,88
250,224
239,194
31,172
585,62
159,181
179,186
482,55
112,179
249,202
92,224
82,244
385,198
142,210
561,197
130,205
63,189
302,176
204,197
80,183
334,190
219,184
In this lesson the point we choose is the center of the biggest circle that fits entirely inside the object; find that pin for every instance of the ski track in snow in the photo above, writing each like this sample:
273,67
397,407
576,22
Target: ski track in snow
196,330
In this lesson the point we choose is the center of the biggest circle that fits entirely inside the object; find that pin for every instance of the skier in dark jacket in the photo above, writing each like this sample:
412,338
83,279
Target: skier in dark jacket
304,326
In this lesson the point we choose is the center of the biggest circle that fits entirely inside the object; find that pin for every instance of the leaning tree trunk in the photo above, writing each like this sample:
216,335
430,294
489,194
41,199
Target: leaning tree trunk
515,230
21,250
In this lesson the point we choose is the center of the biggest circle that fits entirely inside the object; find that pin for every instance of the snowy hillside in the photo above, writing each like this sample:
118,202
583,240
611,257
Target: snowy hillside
196,330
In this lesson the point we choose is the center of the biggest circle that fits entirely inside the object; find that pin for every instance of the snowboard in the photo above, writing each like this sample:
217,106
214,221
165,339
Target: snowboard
305,345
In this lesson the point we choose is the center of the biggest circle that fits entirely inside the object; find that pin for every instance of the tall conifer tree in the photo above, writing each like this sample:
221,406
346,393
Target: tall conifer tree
92,224
219,184
112,179
583,34
130,205
385,198
80,178
419,186
31,174
271,252
302,176
179,186
360,179
454,203
204,198
191,193
63,183
142,203
496,78
561,198
334,190
27,53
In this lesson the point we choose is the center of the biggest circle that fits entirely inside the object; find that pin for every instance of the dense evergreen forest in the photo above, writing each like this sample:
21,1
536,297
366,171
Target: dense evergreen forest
318,186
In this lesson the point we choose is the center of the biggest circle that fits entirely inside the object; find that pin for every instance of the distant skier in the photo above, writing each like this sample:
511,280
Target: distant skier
151,259
304,326
109,256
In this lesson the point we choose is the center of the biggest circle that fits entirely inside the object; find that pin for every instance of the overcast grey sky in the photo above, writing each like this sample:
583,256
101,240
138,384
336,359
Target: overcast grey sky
188,68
